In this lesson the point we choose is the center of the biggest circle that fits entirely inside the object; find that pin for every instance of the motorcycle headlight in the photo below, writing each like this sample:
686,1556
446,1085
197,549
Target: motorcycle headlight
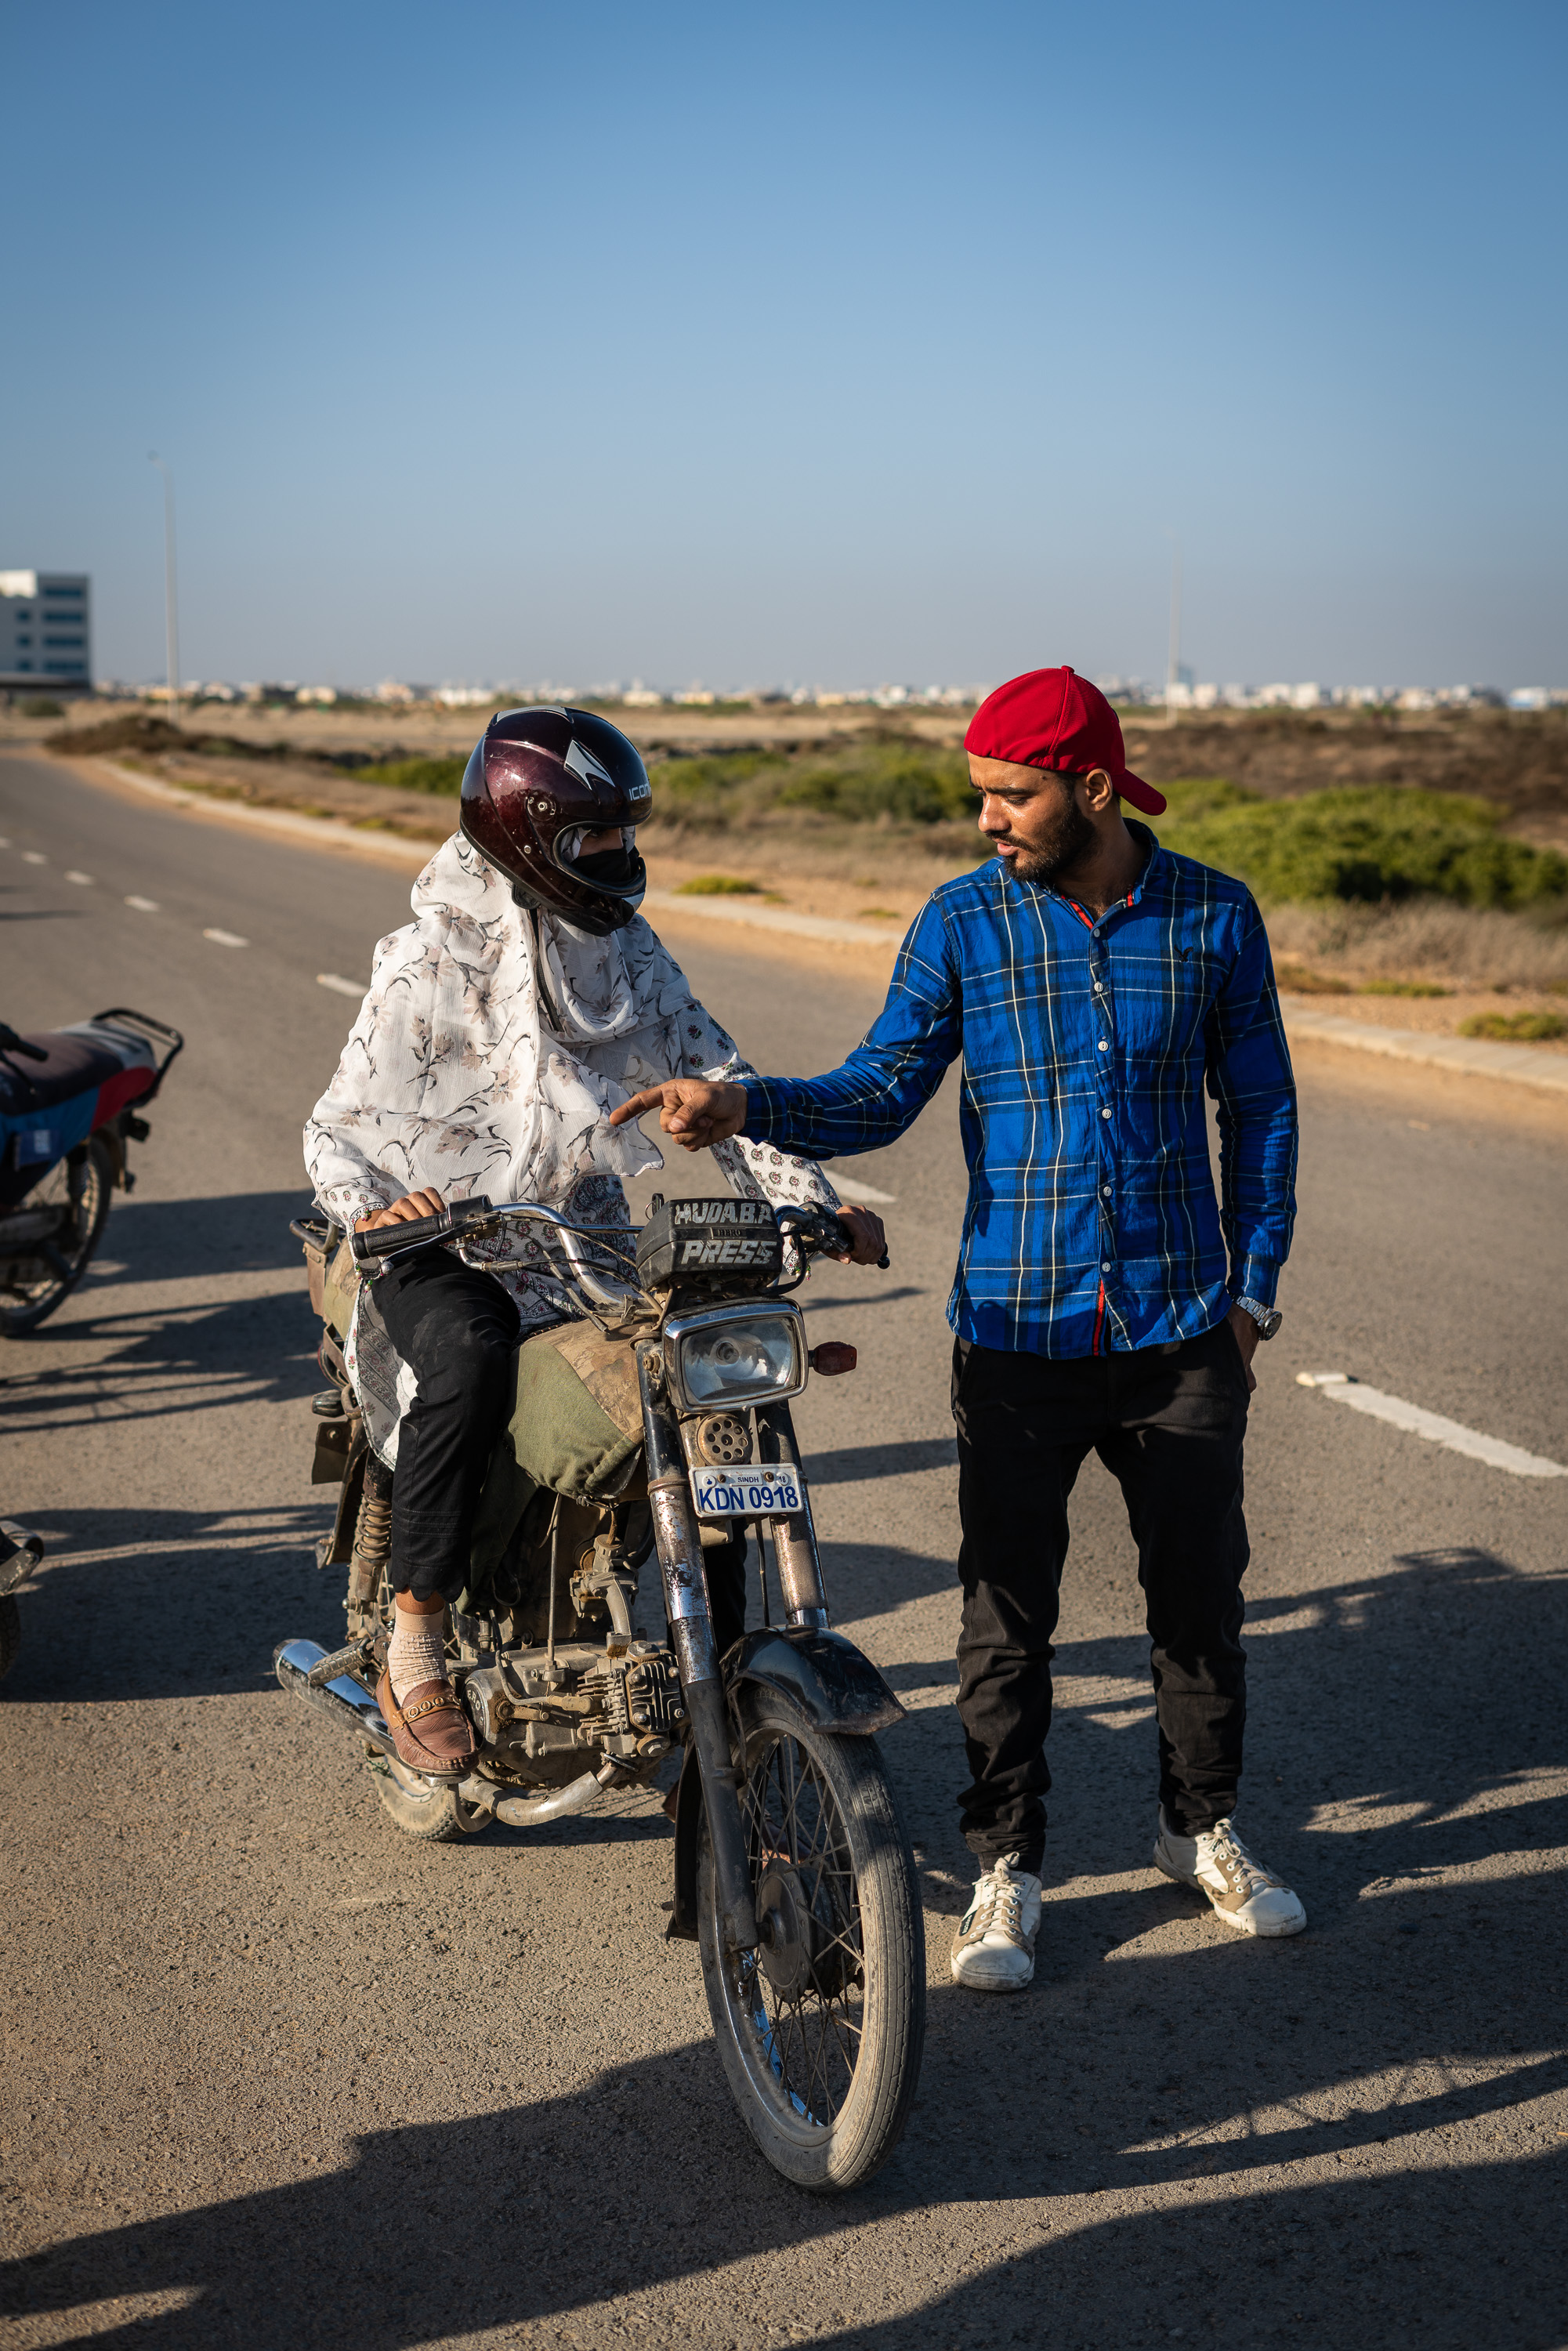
749,1361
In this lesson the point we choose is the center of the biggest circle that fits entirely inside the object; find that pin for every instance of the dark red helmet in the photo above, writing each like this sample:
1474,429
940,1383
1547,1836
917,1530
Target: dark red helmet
536,781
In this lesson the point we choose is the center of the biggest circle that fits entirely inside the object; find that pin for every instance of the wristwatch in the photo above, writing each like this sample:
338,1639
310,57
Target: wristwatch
1266,1318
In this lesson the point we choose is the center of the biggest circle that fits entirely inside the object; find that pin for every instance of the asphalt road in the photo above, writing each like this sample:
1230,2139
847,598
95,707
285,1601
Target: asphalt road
274,2077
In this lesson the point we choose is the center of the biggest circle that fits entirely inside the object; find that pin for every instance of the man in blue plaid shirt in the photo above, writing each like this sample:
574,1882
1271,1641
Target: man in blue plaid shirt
1094,984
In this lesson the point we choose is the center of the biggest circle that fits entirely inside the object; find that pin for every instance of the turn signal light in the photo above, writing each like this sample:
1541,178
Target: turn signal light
833,1356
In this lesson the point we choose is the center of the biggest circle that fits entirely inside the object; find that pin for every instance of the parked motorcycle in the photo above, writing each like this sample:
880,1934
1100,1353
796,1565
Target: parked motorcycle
20,1551
792,1871
71,1101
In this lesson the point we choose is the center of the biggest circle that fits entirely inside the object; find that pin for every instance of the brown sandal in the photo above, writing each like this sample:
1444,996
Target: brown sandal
443,1748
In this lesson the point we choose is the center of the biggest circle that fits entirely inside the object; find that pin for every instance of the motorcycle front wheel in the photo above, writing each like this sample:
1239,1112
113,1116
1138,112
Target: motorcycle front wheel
820,2029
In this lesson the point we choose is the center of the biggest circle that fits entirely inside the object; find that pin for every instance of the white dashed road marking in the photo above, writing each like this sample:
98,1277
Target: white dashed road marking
864,1192
143,905
344,986
1341,1388
85,879
226,938
34,857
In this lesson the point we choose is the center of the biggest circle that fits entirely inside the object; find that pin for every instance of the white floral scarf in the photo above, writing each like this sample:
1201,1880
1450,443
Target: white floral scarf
463,1073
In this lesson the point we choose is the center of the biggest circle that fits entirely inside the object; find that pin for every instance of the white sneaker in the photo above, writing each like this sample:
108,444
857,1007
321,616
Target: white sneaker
1245,1894
995,1949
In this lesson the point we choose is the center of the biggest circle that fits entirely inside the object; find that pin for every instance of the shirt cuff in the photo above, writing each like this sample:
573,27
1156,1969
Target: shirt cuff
1255,1277
763,1109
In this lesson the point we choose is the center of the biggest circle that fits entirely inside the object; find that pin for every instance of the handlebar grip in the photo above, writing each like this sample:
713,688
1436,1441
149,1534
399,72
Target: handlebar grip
882,1263
420,1230
11,1043
413,1234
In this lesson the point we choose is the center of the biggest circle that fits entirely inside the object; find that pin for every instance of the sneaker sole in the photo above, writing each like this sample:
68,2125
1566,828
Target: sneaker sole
994,1983
1238,1926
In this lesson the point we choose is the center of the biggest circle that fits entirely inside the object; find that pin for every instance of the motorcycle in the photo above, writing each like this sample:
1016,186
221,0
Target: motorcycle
65,1122
792,1871
20,1551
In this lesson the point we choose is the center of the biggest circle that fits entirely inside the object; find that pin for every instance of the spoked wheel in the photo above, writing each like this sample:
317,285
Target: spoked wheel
820,2028
74,1200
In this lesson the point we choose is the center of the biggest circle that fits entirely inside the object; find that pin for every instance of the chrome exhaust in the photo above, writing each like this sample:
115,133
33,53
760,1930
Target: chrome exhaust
350,1706
344,1701
527,1811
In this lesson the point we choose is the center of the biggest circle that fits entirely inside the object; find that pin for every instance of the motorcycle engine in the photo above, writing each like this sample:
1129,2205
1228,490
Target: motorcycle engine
628,1706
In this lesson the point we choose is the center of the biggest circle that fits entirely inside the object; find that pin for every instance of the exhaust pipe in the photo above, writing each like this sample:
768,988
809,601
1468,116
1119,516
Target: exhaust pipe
344,1701
350,1706
527,1811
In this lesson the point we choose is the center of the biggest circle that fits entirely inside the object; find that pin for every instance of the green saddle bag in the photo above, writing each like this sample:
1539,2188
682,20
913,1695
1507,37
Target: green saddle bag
574,1428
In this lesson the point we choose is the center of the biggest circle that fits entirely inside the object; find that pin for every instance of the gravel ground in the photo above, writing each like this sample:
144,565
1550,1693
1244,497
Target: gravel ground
274,2076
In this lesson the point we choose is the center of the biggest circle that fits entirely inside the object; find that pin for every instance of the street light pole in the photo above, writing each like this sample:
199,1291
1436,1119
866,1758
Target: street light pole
1173,665
170,597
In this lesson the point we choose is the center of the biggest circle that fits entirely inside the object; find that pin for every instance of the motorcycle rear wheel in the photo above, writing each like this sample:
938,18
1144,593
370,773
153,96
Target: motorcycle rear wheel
820,2029
430,1810
80,1185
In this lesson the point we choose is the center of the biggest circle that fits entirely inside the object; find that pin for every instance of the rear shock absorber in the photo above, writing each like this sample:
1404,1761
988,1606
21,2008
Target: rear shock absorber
372,1549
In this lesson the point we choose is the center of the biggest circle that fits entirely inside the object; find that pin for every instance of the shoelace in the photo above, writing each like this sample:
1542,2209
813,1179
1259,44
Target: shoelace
1008,1894
1226,1846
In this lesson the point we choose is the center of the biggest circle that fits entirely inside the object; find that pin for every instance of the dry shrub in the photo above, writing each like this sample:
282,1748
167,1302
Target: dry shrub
1425,939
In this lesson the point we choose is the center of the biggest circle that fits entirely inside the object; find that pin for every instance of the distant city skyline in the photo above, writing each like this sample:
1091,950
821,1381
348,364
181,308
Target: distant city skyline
844,345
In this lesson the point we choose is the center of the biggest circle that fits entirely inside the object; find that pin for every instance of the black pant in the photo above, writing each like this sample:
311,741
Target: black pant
457,1330
1168,1423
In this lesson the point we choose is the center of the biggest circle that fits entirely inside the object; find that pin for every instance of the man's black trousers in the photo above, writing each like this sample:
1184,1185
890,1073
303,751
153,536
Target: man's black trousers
1168,1423
457,1329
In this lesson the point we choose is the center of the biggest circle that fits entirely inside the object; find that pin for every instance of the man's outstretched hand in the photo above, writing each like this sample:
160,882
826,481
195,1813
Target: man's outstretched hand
696,1112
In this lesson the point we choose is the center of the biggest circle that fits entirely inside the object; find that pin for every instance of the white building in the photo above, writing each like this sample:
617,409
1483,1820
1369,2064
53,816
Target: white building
45,630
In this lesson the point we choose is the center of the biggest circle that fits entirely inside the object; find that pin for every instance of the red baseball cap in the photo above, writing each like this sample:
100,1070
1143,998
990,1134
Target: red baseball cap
1054,718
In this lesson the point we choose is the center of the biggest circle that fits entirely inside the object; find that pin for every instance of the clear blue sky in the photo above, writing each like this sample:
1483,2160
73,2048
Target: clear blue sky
805,343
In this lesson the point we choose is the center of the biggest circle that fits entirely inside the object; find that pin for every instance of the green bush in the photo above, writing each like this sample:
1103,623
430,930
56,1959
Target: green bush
898,778
1515,1028
718,886
416,775
1369,842
40,705
907,780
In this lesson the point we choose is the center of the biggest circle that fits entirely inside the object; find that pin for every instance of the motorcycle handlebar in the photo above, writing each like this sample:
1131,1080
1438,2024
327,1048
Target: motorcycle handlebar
11,1043
819,1232
417,1232
817,1229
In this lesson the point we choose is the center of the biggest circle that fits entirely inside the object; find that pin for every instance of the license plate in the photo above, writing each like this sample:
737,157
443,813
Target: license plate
746,1493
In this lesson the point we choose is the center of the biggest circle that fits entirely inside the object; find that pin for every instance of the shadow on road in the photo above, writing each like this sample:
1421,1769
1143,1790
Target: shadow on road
455,2230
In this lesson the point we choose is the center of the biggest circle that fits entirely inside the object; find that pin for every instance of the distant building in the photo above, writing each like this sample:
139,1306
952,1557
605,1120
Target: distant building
45,630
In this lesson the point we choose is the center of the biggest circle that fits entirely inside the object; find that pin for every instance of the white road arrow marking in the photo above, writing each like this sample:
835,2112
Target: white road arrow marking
1341,1388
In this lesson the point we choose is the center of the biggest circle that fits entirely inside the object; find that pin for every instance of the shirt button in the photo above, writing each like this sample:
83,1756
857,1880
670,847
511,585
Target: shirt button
1104,1047
1104,1113
1104,1265
1105,1188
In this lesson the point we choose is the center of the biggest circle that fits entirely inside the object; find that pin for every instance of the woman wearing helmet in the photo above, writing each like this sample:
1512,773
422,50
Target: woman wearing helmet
526,999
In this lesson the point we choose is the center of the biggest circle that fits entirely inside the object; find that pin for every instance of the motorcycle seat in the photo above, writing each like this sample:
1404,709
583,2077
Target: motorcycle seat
87,1058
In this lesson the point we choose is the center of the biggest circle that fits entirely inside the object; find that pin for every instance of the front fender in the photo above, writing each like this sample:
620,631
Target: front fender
833,1684
828,1679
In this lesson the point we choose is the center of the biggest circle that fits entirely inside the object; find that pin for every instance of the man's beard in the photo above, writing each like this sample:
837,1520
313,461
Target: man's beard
1071,834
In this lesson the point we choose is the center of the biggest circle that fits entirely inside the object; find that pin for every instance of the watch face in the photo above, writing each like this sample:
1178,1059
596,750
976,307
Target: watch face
1269,1323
